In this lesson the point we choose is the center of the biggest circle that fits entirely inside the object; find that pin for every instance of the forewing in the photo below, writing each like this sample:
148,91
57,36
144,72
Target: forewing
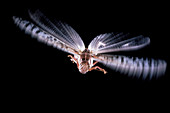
43,36
61,31
113,42
134,66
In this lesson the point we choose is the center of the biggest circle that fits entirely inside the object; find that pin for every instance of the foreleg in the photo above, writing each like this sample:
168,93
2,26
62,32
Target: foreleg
74,60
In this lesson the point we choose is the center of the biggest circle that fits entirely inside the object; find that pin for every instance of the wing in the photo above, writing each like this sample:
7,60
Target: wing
43,36
113,42
61,31
133,66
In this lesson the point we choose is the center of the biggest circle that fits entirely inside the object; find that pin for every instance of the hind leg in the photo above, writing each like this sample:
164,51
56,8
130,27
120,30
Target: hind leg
98,68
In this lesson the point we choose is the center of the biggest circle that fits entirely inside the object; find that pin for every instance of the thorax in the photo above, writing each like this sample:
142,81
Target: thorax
85,55
85,61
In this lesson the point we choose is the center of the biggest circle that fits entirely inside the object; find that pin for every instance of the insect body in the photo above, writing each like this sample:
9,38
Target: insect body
85,62
65,38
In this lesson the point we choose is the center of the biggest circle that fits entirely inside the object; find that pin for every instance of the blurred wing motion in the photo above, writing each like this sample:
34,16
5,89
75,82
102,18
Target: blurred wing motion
58,35
133,66
117,42
65,38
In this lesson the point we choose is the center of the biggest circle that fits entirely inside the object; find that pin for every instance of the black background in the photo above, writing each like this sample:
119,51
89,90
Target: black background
35,67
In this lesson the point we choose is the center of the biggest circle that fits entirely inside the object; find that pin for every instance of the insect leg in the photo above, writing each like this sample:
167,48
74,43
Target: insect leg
95,63
97,67
74,60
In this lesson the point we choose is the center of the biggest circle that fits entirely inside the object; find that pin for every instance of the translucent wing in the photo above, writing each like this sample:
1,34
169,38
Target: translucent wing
134,66
43,36
62,31
113,42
